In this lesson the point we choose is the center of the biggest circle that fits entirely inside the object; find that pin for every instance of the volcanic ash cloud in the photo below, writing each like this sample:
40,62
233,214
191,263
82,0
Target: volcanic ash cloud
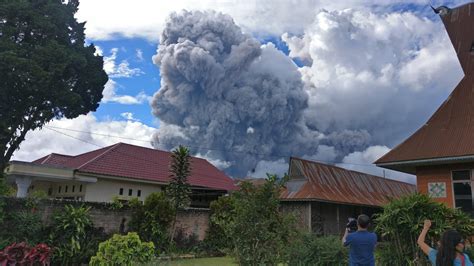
217,83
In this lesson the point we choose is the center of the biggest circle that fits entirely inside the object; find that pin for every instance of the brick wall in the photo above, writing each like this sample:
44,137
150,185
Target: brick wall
442,173
194,221
191,221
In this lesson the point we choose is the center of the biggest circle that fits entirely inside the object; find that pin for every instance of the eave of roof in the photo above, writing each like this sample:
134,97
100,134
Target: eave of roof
409,166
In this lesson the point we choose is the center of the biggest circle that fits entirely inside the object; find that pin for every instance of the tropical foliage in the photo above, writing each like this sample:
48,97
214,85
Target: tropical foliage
402,221
22,254
178,189
69,234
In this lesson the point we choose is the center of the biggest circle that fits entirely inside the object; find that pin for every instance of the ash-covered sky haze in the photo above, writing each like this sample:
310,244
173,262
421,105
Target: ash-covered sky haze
247,84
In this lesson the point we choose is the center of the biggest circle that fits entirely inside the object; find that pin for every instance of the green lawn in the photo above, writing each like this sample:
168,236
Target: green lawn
220,261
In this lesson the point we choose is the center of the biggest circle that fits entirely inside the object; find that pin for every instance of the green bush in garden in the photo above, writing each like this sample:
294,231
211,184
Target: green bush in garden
69,235
26,226
217,242
153,219
123,250
116,203
21,226
309,249
258,232
5,189
401,222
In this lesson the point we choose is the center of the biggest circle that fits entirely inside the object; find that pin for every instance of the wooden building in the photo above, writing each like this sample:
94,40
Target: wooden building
323,196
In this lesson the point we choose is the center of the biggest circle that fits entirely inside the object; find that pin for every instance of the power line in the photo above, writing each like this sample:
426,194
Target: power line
191,146
98,134
76,138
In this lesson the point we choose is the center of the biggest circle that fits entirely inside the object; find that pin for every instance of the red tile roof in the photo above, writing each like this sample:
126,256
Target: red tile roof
321,182
449,132
130,161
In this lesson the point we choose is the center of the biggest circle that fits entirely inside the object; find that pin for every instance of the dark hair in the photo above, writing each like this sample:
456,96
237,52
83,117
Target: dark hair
447,249
363,221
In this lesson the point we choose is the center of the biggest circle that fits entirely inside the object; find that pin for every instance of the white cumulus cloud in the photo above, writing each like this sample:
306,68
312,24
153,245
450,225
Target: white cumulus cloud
129,116
382,74
61,136
110,95
121,70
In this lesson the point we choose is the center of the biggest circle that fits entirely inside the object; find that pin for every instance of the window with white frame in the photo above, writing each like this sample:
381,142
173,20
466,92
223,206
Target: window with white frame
462,188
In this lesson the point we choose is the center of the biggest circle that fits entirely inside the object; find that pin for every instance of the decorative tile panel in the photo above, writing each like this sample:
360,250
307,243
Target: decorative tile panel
437,190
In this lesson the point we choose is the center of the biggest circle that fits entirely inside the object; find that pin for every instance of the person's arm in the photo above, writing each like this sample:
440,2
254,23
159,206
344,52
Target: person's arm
421,239
344,238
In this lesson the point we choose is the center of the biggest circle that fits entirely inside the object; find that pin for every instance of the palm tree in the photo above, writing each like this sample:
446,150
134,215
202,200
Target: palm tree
179,190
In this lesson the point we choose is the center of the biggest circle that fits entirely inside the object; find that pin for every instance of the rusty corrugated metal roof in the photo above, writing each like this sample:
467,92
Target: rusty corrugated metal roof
449,132
316,181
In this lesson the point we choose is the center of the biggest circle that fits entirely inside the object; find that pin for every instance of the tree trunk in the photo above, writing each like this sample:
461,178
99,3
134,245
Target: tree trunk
7,153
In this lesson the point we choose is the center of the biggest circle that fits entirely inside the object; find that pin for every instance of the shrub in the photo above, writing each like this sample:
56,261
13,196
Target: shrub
34,198
94,236
22,226
259,233
123,250
68,236
152,220
26,226
217,242
402,221
116,203
22,254
5,189
309,249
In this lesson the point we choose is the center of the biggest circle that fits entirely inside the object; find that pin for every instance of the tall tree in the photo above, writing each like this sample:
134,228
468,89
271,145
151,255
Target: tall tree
179,190
46,69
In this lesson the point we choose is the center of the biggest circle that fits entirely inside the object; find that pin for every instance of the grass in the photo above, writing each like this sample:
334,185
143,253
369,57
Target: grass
218,261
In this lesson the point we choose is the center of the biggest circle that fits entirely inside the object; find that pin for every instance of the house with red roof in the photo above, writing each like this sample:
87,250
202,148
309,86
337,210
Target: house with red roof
441,152
121,170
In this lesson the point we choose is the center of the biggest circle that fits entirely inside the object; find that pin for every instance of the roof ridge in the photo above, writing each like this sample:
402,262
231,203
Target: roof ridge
60,154
100,155
354,171
46,158
159,150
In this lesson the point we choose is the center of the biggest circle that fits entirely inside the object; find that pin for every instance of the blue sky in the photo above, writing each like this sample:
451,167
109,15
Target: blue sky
372,72
148,81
